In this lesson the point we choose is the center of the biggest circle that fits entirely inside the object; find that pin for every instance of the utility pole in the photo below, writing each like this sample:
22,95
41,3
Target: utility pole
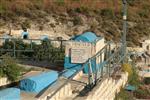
124,33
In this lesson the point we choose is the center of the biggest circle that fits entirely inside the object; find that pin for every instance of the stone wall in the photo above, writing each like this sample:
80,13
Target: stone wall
108,88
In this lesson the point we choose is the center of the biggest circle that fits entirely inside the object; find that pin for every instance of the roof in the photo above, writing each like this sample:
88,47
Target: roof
86,37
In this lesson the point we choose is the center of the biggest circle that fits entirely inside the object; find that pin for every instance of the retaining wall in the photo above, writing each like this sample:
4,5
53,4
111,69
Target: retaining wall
108,88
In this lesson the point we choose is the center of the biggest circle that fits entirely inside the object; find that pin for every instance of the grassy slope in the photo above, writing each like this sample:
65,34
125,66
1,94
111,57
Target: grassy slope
106,10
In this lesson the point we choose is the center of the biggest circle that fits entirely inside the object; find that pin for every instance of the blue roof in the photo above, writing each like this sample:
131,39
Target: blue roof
86,37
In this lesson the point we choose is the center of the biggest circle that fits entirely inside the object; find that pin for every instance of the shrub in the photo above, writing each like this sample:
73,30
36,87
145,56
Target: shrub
9,68
77,20
60,2
124,95
147,80
48,52
127,68
131,2
26,24
19,45
143,13
142,93
82,9
107,13
134,77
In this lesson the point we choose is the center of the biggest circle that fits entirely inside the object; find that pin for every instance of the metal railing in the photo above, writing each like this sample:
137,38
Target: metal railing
106,67
13,46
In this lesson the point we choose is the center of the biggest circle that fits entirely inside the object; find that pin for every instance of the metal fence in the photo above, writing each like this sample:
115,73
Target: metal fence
31,48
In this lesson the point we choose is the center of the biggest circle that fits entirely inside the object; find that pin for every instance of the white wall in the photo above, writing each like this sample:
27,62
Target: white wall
4,81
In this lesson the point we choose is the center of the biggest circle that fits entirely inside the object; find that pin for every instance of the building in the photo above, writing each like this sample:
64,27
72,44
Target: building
81,48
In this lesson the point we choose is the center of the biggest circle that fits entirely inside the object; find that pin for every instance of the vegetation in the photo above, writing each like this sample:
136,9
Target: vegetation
28,12
26,24
10,69
127,68
46,52
107,13
124,95
141,92
77,20
134,78
147,80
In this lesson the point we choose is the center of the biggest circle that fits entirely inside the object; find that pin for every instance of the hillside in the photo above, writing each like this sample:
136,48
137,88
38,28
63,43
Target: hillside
72,17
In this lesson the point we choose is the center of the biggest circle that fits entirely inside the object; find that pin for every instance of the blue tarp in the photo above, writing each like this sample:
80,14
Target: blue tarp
38,83
10,94
130,87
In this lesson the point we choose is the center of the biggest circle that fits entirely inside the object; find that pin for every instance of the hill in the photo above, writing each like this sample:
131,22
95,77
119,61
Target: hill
72,17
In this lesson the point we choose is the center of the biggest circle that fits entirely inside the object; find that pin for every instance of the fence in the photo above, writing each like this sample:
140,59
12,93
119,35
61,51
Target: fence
32,48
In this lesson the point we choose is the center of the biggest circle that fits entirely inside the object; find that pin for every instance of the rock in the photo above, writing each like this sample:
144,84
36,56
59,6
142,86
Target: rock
131,24
70,24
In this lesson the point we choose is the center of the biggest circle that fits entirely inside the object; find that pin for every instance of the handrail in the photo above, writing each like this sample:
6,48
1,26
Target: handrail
83,65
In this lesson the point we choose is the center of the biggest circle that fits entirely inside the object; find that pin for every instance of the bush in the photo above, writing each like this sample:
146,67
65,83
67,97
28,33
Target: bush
19,45
9,68
83,10
127,68
143,13
77,20
48,52
26,24
134,78
142,93
124,95
131,2
60,2
147,80
107,13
